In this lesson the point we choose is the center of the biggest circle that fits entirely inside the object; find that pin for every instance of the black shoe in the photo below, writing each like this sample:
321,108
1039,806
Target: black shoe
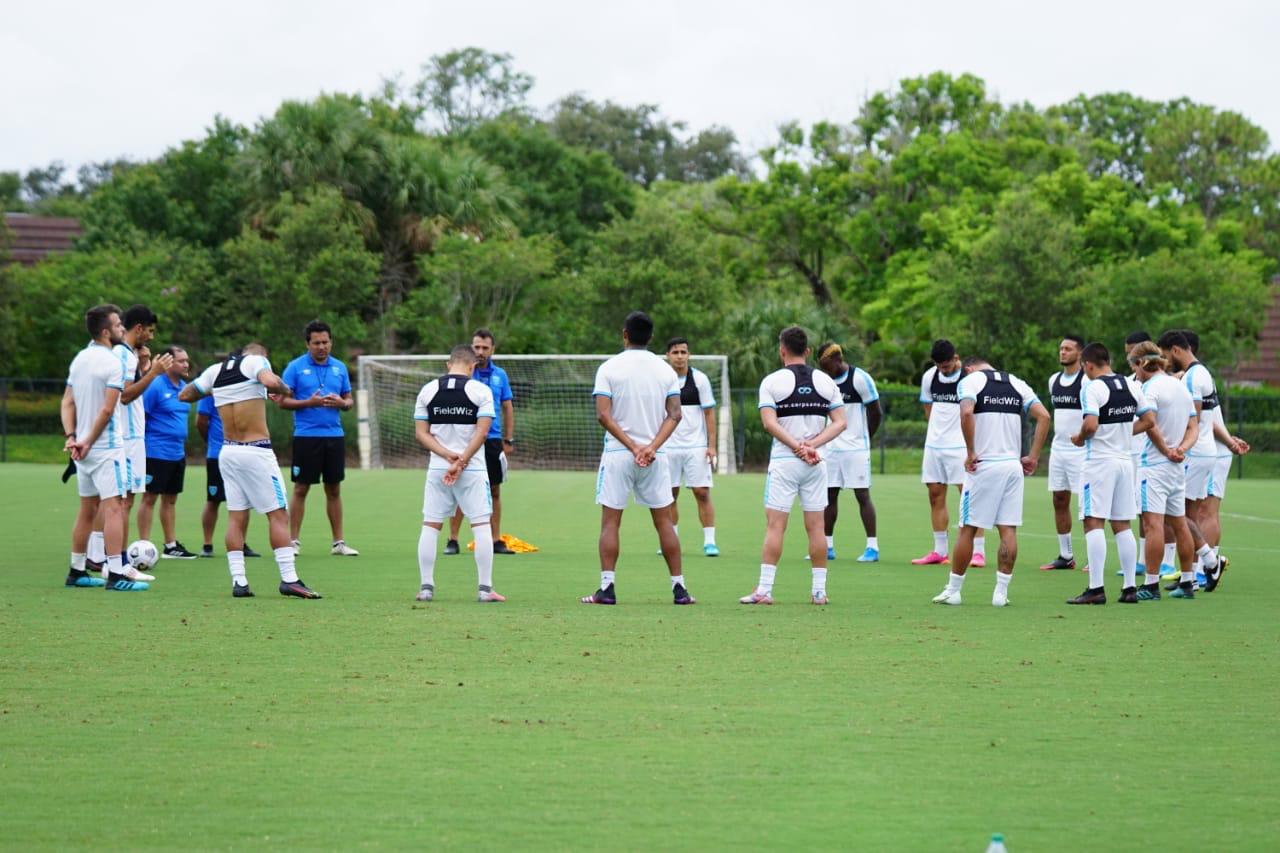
451,548
1212,579
1059,562
1129,595
206,550
177,552
91,566
600,596
1185,589
1149,592
120,583
1090,596
298,589
680,595
238,591
249,552
500,547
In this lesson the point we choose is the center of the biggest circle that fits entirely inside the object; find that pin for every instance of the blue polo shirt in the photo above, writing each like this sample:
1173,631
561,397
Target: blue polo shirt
206,407
307,379
496,378
166,435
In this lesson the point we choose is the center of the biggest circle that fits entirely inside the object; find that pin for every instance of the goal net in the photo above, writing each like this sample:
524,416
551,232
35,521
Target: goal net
555,414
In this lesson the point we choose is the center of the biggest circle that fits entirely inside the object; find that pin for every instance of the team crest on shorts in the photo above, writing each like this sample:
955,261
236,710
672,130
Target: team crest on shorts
213,490
296,470
150,477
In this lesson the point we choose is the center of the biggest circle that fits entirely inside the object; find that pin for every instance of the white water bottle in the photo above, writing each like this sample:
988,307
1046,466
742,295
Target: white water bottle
997,844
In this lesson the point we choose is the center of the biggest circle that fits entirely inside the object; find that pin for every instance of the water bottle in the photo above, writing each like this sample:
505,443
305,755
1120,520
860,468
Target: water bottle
997,844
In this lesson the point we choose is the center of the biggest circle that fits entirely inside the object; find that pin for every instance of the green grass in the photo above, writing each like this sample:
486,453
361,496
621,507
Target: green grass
183,718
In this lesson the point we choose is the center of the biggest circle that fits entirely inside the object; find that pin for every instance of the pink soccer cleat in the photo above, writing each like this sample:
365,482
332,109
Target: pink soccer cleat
933,558
756,597
487,595
979,561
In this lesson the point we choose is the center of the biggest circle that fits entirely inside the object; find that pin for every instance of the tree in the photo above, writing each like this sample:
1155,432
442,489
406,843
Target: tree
1206,155
464,87
1111,132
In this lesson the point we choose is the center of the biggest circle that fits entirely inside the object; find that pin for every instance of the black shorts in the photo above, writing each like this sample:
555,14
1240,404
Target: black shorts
316,458
493,460
216,492
165,476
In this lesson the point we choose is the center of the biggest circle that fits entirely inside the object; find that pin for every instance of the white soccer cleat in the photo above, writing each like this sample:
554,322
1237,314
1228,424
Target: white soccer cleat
999,599
756,597
485,596
818,597
426,593
342,549
948,596
296,546
134,575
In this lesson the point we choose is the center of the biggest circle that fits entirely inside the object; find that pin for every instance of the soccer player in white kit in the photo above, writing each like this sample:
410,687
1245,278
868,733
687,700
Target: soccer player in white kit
250,473
795,405
1114,411
849,455
1065,458
637,398
452,417
943,463
992,404
691,450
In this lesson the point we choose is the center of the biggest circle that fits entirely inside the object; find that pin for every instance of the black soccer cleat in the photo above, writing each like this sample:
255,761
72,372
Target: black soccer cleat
177,551
1212,579
298,589
1097,595
249,552
1059,563
451,548
241,591
500,547
601,596
680,595
1129,595
1149,592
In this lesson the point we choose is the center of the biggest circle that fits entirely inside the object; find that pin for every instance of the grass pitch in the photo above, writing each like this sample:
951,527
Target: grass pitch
183,718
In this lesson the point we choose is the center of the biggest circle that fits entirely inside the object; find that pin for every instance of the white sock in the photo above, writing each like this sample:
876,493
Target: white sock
940,542
97,547
427,541
980,546
235,563
677,580
1002,582
819,581
77,561
1204,555
171,544
113,564
284,562
873,543
766,578
1095,544
675,528
606,579
955,582
831,541
1127,550
1149,579
1187,577
708,536
1064,545
1213,552
1142,550
1169,552
483,536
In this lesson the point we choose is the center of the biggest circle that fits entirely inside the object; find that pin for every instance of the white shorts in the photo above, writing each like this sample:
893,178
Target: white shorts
689,467
942,466
620,477
102,474
791,478
135,464
849,469
1064,470
992,495
1106,490
471,493
1162,489
251,478
1199,474
1221,473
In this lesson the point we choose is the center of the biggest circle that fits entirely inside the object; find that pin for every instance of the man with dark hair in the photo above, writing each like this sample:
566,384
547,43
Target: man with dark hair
209,425
1065,459
166,442
802,409
321,388
499,441
849,459
1114,409
691,452
1134,338
637,397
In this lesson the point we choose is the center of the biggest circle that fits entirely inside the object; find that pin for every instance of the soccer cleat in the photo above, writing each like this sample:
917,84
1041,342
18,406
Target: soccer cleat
831,553
711,550
451,548
427,593
176,552
1202,580
489,595
342,549
1213,578
948,596
206,551
81,578
1170,573
1059,563
757,597
818,598
999,599
871,555
91,566
1149,592
601,596
933,558
134,575
241,590
500,547
680,595
1129,595
249,552
295,545
298,589
1183,590
120,583
978,561
1090,596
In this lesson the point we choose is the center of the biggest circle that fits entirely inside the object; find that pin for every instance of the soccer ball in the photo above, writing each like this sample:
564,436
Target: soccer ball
143,554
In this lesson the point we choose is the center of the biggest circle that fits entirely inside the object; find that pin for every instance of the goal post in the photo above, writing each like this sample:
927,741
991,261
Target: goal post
555,416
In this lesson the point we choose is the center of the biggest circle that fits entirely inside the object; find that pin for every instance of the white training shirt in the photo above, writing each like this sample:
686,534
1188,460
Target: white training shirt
813,400
639,384
95,369
1218,417
132,417
1171,401
999,399
857,390
452,404
1114,437
239,385
1066,419
939,390
696,397
1199,382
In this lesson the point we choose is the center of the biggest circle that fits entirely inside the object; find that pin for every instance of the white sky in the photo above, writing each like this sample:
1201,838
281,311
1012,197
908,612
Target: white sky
93,81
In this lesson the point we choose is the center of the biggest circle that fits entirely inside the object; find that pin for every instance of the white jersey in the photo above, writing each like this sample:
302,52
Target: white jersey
234,380
1203,391
639,384
452,404
857,391
1171,401
940,391
1219,418
695,398
132,417
1064,393
803,398
1116,401
999,399
95,369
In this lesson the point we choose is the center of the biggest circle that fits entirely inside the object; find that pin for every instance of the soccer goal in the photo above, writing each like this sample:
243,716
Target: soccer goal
555,415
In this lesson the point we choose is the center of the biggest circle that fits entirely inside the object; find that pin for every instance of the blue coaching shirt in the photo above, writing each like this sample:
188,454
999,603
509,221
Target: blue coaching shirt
500,386
206,407
166,435
307,379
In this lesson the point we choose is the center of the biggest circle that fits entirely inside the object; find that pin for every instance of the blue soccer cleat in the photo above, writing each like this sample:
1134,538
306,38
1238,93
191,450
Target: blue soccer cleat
871,555
711,550
81,578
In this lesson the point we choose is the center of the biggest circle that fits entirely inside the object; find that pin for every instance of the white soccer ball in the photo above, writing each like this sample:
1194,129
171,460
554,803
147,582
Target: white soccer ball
143,554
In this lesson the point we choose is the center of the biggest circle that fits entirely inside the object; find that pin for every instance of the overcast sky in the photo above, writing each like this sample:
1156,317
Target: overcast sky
93,81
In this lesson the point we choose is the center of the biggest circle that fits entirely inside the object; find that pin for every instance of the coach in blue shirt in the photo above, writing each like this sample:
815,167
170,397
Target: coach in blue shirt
321,389
166,446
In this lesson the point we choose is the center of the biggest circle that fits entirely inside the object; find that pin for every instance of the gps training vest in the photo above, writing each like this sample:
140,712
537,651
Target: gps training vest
1065,396
944,392
1121,407
451,405
804,400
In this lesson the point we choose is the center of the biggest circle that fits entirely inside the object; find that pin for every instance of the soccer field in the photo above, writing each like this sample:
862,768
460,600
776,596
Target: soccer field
181,717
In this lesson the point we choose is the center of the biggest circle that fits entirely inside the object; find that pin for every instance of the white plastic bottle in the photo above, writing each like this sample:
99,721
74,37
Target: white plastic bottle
997,844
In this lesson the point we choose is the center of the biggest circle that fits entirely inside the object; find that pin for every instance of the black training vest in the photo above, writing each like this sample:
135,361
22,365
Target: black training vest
847,389
804,400
1121,407
451,405
1211,402
1065,396
230,373
944,392
689,395
998,396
